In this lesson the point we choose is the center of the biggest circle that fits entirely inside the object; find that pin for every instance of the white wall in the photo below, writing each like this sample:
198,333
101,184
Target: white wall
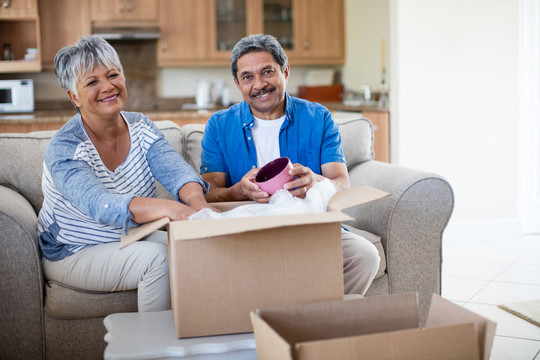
455,102
366,24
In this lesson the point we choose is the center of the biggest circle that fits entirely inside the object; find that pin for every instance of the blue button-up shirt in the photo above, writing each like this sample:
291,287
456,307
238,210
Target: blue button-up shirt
308,136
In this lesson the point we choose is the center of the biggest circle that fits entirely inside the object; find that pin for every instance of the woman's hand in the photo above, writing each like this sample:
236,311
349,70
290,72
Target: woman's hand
145,210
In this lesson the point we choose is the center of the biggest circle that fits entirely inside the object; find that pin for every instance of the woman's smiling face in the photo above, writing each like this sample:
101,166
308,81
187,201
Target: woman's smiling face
101,91
262,84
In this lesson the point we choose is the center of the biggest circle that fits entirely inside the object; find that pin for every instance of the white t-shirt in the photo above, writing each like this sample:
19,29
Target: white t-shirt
266,137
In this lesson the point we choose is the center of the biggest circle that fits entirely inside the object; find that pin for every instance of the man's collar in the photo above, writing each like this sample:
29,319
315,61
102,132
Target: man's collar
288,111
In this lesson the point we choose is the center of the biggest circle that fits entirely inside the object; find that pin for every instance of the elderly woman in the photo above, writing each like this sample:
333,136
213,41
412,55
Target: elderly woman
99,180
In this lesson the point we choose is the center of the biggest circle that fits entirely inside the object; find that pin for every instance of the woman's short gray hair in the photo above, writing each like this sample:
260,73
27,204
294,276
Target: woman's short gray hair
256,43
88,53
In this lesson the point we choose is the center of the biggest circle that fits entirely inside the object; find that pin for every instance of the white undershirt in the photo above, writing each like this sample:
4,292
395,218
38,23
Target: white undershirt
266,137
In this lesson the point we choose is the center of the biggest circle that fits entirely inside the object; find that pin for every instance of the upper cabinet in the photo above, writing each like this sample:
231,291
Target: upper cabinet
184,32
18,8
319,32
124,10
20,39
55,34
310,31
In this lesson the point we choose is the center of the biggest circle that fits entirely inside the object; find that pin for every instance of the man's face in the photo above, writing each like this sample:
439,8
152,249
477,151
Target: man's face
262,84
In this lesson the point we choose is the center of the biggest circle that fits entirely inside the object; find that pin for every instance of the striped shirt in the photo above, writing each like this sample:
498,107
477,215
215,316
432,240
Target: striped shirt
85,203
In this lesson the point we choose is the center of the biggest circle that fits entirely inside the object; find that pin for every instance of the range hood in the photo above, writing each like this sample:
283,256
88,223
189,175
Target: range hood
128,33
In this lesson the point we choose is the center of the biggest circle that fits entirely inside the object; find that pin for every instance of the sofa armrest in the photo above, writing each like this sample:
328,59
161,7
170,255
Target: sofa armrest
410,222
21,279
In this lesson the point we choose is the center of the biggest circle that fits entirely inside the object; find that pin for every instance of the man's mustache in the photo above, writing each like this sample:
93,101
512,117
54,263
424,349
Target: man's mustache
262,91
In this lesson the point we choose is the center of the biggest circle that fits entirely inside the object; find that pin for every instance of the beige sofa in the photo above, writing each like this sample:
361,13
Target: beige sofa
43,319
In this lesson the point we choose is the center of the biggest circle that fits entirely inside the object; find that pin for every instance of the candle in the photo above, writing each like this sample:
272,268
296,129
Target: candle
382,53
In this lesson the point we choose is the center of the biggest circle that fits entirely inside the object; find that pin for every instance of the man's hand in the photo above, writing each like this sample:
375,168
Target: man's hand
250,190
304,180
246,189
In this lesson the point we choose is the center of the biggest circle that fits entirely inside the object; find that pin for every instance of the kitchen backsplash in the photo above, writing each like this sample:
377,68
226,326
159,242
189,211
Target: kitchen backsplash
140,68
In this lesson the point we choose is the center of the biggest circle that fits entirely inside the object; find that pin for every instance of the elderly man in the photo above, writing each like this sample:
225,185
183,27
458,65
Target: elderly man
268,124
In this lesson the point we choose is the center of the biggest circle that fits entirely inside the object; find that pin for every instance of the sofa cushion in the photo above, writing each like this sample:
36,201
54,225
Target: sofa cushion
357,140
66,302
22,163
375,240
193,134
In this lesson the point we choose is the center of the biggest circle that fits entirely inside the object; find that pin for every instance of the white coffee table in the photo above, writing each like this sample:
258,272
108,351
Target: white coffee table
152,335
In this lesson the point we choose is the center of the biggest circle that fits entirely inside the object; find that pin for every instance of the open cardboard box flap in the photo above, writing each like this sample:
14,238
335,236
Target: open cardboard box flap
443,312
355,196
372,328
199,229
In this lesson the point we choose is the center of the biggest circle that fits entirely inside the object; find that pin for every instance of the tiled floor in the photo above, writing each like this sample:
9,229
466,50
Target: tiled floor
480,275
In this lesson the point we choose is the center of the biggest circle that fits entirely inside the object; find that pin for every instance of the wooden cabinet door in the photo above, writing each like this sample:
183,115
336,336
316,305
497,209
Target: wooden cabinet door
62,23
127,10
18,8
320,31
229,21
381,131
184,32
139,10
310,31
105,10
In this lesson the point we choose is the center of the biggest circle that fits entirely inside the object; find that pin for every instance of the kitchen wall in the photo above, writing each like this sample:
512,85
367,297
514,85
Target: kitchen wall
182,82
454,108
367,25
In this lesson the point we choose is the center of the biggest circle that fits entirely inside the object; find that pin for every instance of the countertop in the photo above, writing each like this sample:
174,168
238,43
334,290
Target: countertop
62,112
62,116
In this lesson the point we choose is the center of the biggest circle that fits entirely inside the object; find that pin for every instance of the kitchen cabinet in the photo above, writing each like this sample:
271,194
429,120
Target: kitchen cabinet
381,130
310,31
184,34
20,28
62,23
319,32
18,9
124,10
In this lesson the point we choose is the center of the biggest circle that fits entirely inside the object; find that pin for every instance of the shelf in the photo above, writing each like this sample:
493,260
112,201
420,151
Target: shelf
16,66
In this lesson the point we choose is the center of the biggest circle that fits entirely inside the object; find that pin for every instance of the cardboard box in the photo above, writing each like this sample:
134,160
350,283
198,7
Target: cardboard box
222,269
382,327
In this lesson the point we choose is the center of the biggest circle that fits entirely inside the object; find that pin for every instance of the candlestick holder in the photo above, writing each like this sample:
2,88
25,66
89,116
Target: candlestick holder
383,91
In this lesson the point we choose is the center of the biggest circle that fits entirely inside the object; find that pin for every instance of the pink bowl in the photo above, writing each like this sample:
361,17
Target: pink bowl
272,176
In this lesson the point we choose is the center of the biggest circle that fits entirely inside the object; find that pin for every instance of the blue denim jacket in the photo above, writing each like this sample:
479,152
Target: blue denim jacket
308,136
84,202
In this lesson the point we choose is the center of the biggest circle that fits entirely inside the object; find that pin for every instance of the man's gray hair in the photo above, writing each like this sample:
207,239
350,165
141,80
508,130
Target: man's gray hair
88,53
256,43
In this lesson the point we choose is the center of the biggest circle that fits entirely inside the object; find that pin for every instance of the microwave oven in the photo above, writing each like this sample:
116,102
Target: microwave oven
16,95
